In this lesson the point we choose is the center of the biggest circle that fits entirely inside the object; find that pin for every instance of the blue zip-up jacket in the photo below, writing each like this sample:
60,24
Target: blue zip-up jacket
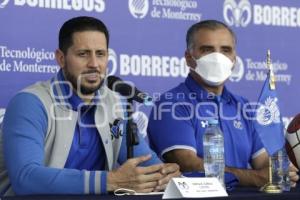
36,138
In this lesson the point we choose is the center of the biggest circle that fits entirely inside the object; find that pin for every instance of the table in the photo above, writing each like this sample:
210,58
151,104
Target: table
239,193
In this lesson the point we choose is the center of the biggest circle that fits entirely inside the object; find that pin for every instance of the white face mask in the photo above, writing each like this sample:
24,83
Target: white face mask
214,68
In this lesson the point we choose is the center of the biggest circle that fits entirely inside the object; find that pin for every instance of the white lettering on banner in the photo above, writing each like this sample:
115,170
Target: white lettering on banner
36,68
29,53
268,15
165,9
277,65
144,65
286,78
261,75
276,16
168,13
27,60
77,5
176,3
257,71
5,66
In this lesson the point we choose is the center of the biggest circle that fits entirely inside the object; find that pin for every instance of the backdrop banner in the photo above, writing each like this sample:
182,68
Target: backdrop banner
148,42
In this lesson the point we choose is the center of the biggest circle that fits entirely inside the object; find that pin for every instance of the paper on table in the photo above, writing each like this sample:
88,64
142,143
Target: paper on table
125,191
194,188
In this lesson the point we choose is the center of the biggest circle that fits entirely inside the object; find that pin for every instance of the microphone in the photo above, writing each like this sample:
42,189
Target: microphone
116,84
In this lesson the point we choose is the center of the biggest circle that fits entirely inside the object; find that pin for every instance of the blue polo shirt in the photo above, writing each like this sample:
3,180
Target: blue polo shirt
87,150
181,115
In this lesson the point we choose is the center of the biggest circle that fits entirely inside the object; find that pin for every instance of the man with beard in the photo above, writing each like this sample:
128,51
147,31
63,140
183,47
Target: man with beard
66,135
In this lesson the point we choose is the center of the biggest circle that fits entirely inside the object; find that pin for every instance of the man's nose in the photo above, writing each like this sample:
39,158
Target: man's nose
217,50
93,61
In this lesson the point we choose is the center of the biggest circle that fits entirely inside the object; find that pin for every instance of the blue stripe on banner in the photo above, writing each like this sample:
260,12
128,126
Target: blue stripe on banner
103,182
92,182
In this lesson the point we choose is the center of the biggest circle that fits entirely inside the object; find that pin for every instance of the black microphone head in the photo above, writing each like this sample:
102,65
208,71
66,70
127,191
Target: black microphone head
111,80
116,84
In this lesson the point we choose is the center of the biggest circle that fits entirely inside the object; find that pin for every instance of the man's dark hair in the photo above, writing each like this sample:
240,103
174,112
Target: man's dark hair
206,24
79,24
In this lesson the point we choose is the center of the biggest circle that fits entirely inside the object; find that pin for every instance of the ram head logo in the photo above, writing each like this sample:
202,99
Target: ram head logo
237,14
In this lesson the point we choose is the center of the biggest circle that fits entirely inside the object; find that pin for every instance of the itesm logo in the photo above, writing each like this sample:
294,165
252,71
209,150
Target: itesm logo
138,8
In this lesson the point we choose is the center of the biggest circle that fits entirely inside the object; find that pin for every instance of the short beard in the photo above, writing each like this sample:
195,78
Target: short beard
91,90
82,90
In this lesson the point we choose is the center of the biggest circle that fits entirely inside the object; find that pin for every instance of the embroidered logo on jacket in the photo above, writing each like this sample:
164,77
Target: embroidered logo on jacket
204,123
116,128
238,124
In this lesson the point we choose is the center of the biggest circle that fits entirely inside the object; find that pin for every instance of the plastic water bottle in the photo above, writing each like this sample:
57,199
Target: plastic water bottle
283,170
213,151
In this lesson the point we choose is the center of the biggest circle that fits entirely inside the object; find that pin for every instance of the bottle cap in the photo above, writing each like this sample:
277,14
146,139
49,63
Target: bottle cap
213,121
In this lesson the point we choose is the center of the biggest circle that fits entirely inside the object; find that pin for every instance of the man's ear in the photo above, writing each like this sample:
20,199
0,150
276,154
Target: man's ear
190,61
60,58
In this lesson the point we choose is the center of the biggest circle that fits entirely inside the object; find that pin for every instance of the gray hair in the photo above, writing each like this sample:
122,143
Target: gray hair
206,24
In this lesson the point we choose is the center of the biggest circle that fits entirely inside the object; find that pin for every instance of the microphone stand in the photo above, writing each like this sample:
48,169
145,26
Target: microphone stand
131,131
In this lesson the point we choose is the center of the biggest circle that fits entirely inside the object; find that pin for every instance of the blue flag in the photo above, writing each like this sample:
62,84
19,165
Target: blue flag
268,121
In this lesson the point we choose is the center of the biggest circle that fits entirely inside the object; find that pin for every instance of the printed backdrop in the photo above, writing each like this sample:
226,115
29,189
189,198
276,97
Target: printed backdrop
148,42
